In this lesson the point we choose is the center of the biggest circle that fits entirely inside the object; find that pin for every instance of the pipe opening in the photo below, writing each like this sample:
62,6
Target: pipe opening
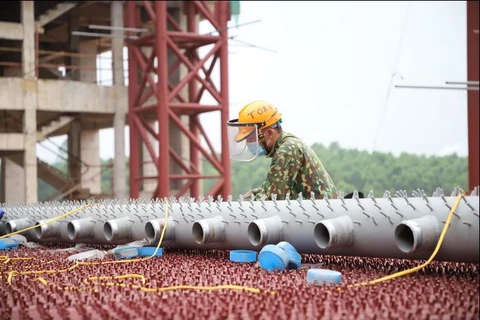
108,231
71,231
2,229
38,230
9,228
149,231
321,236
405,238
254,234
198,234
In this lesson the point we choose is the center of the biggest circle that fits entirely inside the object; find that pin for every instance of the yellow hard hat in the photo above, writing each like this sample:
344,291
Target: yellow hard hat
260,113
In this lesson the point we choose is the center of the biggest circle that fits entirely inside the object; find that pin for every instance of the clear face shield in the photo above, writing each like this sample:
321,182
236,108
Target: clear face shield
243,141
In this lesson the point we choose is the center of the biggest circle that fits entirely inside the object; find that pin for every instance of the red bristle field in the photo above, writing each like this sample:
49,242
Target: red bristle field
146,289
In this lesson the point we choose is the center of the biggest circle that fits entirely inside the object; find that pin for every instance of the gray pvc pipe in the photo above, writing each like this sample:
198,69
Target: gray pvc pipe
153,230
208,230
265,231
2,228
80,229
312,226
45,231
18,224
418,235
118,229
334,233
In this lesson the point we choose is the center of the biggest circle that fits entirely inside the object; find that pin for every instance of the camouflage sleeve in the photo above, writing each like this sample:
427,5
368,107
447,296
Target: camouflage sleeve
282,174
257,193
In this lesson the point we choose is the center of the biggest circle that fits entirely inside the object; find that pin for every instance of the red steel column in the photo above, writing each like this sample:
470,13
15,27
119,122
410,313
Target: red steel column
224,13
192,96
161,45
473,96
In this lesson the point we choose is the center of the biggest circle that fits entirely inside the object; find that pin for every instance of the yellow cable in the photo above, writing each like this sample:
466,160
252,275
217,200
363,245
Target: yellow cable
126,276
163,289
423,265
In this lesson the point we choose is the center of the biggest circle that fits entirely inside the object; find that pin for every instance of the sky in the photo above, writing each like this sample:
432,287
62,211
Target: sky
331,70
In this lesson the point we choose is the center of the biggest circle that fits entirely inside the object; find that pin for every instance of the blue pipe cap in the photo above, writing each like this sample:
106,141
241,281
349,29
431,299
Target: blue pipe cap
294,258
286,246
8,243
243,256
323,276
149,251
273,258
1,213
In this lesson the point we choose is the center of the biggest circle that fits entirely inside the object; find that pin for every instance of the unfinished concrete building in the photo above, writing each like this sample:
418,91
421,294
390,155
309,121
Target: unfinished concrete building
49,86
39,101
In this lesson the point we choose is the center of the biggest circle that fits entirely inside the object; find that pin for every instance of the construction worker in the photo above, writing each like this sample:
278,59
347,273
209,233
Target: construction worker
295,168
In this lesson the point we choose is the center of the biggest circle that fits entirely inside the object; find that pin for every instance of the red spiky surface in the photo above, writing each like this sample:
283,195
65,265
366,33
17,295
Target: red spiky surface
440,291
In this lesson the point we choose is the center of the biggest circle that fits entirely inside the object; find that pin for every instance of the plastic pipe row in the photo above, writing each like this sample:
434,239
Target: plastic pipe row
390,227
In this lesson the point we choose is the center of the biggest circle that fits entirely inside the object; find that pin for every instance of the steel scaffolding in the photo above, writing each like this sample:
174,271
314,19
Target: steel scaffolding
172,41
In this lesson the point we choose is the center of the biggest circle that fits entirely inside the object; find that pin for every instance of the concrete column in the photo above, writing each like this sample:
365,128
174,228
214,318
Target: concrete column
87,63
29,102
2,179
74,164
90,154
89,146
119,118
13,192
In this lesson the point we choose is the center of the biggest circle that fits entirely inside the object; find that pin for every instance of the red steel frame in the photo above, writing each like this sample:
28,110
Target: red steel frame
170,36
473,96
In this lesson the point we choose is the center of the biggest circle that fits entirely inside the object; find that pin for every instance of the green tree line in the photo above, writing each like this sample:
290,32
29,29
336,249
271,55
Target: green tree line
350,169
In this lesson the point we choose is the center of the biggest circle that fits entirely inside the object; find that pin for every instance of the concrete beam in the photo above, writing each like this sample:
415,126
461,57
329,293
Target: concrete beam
64,96
11,141
11,30
75,96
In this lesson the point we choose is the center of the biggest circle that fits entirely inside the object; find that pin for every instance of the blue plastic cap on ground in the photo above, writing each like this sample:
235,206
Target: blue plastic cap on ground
149,251
273,258
8,243
294,258
286,246
1,213
323,276
243,256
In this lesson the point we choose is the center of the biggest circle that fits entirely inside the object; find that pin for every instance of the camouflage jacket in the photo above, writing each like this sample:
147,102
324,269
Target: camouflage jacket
295,168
